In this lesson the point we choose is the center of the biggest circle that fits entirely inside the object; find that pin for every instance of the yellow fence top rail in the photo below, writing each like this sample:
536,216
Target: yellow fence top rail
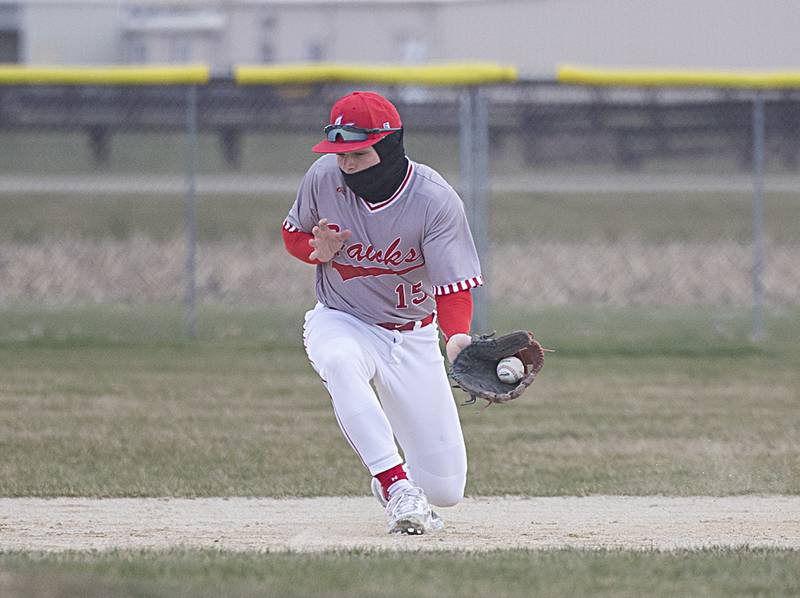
111,75
438,74
579,75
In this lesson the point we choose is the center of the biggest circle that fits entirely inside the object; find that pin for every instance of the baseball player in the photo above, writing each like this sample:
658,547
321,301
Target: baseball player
395,262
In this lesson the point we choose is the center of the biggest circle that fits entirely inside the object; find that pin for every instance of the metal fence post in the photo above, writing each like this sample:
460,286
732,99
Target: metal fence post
191,212
757,332
474,154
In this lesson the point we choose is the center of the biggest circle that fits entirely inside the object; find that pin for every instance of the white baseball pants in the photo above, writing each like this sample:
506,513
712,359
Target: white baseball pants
414,401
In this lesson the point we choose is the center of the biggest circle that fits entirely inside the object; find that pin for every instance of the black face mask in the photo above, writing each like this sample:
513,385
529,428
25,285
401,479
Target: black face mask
378,183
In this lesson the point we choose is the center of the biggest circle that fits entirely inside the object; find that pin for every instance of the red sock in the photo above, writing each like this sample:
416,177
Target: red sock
389,477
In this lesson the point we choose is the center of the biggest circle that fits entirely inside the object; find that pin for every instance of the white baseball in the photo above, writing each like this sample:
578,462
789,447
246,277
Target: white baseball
510,370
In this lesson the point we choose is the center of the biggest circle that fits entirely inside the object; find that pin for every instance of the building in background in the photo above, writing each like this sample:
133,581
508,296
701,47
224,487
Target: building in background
65,32
534,35
153,34
220,33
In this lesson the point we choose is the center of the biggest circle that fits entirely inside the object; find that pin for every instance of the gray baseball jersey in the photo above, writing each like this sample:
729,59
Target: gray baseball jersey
403,251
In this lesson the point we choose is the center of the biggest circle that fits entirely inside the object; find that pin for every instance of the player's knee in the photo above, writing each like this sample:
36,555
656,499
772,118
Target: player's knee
442,475
446,493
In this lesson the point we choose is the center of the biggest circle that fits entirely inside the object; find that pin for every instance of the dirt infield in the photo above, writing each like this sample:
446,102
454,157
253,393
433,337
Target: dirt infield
337,523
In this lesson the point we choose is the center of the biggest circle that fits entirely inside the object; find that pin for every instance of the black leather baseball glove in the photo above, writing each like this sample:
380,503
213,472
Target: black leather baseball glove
475,367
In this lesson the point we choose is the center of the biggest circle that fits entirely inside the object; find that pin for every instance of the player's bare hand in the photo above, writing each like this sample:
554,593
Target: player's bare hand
455,344
326,242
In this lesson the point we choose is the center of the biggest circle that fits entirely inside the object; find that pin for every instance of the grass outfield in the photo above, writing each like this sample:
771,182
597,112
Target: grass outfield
210,574
518,217
106,402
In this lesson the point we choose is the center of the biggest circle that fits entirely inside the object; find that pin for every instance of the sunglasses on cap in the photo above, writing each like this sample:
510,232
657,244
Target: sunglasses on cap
351,132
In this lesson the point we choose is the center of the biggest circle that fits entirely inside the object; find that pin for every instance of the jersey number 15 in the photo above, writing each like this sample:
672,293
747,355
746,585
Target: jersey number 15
415,292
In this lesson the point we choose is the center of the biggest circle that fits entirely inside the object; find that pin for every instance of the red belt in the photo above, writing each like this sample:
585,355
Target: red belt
415,325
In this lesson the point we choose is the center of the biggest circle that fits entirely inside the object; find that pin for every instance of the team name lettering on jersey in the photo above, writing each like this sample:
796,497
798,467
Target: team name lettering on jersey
391,256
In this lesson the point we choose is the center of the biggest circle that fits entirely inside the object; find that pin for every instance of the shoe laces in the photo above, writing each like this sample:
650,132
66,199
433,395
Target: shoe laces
407,500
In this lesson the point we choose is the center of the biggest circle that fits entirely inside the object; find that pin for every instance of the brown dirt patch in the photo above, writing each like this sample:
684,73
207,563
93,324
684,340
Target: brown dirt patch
339,523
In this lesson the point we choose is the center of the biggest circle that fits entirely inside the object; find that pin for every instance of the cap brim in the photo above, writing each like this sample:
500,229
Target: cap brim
341,147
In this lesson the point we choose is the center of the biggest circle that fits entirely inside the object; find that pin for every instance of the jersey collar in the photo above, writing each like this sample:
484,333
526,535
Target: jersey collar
374,207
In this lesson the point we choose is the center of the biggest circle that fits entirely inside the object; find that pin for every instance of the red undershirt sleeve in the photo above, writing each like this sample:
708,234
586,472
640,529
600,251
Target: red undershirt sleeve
296,244
454,312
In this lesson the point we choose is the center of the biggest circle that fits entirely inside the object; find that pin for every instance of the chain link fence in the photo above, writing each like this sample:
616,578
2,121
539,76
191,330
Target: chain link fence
596,196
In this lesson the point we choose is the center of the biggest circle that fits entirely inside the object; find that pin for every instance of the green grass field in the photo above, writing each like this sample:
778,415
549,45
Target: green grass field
130,411
712,573
517,217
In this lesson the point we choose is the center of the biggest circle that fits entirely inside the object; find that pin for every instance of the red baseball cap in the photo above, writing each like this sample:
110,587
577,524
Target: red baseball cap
361,110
